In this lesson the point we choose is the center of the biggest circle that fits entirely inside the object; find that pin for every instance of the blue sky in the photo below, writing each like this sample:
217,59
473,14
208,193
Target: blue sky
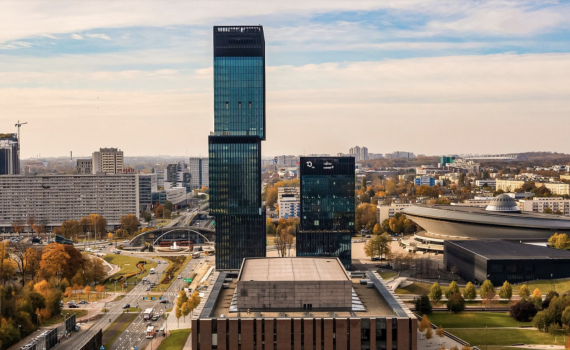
409,75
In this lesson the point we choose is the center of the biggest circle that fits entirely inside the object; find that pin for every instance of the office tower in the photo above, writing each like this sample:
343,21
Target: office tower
177,175
9,154
148,184
199,172
235,144
327,207
108,160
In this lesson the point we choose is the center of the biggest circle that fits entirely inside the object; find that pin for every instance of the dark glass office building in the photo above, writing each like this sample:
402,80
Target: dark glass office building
9,154
327,207
235,145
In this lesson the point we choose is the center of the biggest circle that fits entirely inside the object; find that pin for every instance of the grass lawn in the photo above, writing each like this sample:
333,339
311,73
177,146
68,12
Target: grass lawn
60,318
474,320
388,274
481,337
415,288
178,267
128,264
545,286
176,340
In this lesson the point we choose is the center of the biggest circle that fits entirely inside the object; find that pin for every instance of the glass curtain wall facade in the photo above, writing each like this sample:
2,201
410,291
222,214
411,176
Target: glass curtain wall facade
235,145
327,207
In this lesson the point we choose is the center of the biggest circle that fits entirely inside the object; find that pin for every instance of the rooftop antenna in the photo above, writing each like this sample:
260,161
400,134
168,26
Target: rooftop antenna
18,125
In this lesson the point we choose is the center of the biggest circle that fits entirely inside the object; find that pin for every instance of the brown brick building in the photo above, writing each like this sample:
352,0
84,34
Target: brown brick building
376,319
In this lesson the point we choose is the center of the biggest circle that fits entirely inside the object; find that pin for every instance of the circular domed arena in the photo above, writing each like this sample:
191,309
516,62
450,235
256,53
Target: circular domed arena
501,219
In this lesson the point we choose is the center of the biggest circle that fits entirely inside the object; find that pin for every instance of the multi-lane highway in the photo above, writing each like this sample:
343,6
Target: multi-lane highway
134,334
115,309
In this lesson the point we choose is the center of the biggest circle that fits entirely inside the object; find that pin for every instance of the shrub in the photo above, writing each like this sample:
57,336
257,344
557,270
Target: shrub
523,311
456,303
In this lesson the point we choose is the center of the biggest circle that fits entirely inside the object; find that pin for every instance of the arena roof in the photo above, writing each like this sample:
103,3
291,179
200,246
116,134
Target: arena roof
503,250
482,216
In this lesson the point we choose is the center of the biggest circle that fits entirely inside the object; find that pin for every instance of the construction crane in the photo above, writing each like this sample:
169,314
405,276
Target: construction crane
18,125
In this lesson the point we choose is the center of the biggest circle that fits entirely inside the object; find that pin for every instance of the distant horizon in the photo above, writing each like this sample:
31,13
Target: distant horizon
490,76
296,155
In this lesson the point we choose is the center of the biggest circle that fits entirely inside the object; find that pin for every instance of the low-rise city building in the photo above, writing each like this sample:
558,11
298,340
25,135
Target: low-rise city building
387,211
540,204
302,303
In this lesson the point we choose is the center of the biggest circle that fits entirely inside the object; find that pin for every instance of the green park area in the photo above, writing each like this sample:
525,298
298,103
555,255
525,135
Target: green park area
475,320
176,340
492,330
505,337
414,288
386,275
129,269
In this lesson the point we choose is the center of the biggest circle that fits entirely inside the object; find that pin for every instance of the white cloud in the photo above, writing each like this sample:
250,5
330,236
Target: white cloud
99,36
76,36
14,45
48,36
24,19
428,105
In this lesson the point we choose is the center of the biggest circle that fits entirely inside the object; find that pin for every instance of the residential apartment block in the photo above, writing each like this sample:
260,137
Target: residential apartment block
199,172
84,166
539,204
557,188
288,199
388,211
52,199
108,160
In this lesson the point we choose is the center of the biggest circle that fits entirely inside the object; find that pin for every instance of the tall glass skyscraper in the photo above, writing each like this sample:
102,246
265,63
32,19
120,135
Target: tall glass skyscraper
327,207
235,145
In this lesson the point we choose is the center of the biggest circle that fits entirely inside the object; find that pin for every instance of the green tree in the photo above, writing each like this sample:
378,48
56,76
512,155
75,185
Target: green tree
423,305
524,293
378,246
470,293
456,303
506,291
365,217
270,227
435,292
487,290
452,289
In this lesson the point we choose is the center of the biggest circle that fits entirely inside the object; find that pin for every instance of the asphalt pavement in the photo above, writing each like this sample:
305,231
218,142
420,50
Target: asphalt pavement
134,334
114,310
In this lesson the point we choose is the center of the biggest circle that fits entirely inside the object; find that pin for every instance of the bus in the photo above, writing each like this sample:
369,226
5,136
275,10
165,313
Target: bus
147,314
149,332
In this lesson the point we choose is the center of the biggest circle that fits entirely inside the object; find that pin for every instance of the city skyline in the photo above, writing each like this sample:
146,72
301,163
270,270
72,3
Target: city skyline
119,75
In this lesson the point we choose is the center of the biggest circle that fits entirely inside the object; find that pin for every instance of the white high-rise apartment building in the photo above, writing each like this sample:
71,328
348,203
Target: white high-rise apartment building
359,153
289,201
53,199
108,160
199,172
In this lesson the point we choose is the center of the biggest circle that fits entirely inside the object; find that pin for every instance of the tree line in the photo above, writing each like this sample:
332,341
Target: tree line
34,280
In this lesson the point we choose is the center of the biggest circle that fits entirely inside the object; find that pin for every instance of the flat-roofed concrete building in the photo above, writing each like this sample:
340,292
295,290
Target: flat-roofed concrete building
84,166
499,261
375,318
108,160
52,199
294,284
289,201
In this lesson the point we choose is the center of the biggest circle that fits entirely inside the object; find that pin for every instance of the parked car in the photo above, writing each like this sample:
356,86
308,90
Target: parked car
375,258
73,306
164,301
127,306
83,302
